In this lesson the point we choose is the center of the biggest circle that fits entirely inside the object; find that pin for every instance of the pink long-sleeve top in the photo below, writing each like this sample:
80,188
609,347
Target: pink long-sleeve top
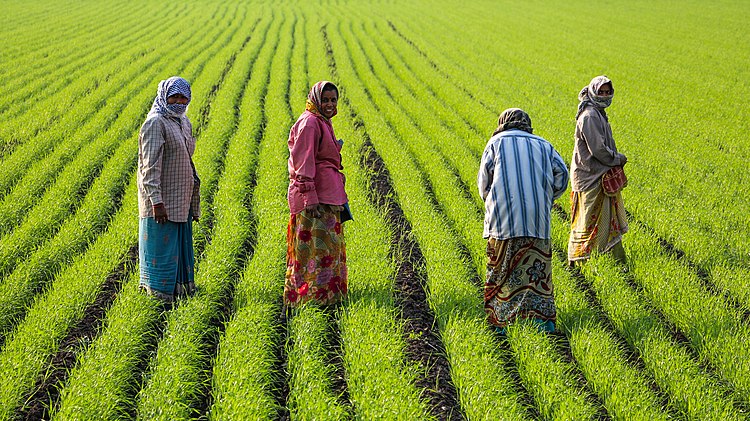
315,175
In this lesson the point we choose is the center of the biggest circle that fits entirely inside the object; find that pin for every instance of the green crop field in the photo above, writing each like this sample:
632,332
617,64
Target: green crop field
422,84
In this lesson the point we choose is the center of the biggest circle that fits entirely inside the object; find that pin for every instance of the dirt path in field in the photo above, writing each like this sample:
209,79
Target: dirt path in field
280,384
335,359
47,389
421,334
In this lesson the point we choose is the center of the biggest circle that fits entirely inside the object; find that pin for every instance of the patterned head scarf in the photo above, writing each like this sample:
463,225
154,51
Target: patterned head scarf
315,96
513,118
173,85
589,95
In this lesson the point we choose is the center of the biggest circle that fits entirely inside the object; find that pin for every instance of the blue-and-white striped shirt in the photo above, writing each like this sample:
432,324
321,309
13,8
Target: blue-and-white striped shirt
520,176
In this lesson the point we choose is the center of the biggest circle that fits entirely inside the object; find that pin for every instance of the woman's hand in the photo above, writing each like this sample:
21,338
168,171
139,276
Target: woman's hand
160,213
314,211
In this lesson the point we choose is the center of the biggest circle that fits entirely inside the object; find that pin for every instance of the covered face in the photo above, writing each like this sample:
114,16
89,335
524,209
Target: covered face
513,118
598,92
600,89
323,99
175,87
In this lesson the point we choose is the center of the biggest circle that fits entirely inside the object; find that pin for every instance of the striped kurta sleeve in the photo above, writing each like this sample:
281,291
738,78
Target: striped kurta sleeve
486,169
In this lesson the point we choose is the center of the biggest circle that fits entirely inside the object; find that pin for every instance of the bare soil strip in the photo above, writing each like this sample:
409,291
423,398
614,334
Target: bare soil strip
281,384
631,355
421,334
511,369
335,358
47,390
562,344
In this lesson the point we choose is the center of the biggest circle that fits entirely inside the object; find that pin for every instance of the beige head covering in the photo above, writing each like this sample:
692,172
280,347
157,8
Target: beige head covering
589,95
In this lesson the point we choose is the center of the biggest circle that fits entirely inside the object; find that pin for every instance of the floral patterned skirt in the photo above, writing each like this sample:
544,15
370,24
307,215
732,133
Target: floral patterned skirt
315,258
598,222
519,281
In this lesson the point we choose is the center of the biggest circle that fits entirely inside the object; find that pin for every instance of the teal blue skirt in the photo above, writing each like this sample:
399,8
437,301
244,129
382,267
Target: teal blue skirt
166,258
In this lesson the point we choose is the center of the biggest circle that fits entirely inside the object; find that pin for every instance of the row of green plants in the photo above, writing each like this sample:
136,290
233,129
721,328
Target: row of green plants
107,376
380,381
546,390
27,40
655,138
179,376
669,365
214,135
477,368
421,99
310,343
26,247
30,346
52,132
527,343
17,24
106,383
43,123
660,342
249,351
247,359
36,338
716,323
44,70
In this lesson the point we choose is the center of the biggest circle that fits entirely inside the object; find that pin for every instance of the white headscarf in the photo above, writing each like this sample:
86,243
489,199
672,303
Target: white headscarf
173,85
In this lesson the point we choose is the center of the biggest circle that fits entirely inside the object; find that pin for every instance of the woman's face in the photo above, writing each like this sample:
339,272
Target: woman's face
328,102
178,99
605,90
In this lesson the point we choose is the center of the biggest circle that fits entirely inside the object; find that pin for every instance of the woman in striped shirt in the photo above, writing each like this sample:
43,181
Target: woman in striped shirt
519,177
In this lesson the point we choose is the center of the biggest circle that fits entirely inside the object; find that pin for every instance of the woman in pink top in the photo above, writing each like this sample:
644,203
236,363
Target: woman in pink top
316,253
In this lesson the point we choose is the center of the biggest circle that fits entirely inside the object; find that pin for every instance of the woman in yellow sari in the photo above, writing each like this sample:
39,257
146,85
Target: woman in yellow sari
598,220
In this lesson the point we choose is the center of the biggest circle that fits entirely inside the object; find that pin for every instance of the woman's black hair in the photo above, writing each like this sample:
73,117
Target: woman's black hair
330,87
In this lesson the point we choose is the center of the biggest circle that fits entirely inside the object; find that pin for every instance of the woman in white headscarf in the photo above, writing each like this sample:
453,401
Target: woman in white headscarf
168,194
598,220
